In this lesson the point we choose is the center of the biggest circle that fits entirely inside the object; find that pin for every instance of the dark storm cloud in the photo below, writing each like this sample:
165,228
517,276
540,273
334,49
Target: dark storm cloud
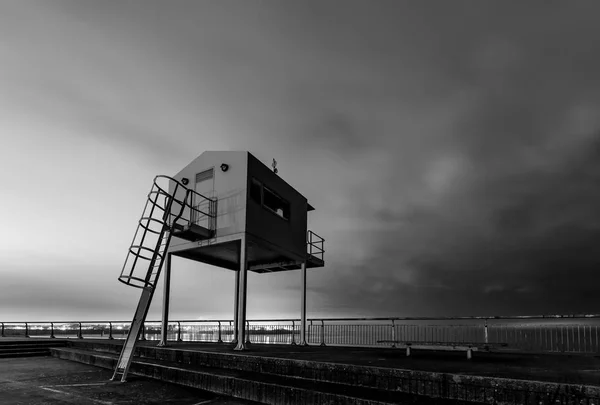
517,232
451,148
338,131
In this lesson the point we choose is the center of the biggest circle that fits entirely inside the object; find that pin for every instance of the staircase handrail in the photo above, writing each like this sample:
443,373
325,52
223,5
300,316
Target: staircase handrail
187,199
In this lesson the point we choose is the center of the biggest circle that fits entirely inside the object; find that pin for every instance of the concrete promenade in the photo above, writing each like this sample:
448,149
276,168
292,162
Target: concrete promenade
45,380
560,368
371,375
51,381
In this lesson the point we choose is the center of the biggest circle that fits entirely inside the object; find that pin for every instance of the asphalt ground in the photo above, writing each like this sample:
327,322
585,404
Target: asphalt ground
48,380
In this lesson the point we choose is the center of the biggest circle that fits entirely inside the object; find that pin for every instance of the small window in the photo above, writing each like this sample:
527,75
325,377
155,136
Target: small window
276,204
256,191
205,175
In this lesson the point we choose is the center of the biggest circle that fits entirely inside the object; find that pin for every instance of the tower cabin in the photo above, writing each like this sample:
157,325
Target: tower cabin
226,209
237,197
240,215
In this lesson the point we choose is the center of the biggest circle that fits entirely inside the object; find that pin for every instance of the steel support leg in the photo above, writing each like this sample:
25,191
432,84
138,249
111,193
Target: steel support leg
303,308
165,309
236,306
243,284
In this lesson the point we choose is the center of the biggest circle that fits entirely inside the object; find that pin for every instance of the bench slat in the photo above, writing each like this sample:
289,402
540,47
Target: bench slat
445,346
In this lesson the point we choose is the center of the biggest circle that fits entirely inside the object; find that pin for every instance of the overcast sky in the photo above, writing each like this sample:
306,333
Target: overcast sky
451,149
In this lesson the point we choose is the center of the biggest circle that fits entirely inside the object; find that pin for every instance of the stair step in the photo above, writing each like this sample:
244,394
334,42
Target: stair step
255,386
28,348
21,349
31,343
364,376
25,354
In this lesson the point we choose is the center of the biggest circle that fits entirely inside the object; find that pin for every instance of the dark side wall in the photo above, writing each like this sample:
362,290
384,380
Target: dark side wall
260,222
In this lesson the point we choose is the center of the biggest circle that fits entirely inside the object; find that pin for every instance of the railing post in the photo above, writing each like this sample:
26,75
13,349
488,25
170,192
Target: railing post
80,335
26,330
393,334
110,336
220,339
143,334
247,332
322,332
2,335
485,331
52,330
179,331
293,333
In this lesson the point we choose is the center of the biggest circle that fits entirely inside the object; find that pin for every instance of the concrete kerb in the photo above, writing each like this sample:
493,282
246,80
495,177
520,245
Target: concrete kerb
430,383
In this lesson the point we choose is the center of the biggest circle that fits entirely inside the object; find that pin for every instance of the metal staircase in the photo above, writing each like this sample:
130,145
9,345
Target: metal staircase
167,212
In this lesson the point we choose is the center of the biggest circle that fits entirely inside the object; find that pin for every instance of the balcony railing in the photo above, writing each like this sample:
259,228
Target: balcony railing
315,245
538,334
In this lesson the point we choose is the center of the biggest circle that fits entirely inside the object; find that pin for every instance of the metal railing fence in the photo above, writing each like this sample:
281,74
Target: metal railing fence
557,333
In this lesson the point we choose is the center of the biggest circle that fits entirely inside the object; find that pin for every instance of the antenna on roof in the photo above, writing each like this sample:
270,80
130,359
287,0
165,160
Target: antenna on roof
275,166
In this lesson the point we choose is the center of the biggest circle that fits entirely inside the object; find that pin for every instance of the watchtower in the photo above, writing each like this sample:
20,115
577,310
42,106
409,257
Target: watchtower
227,209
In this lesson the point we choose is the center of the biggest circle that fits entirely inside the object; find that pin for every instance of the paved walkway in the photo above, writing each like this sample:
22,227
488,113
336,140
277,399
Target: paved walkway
560,368
48,380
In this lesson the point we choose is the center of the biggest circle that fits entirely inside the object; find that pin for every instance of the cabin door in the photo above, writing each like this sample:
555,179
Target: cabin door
205,187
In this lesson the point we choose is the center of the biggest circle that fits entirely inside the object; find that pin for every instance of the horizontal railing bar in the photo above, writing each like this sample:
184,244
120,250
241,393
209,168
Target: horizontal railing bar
439,318
157,321
464,317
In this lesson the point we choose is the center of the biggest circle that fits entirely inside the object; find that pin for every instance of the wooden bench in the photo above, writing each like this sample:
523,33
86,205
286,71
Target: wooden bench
445,346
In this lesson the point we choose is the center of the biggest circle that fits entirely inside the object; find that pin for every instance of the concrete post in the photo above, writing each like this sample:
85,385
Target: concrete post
293,333
143,333
243,284
322,332
165,309
236,306
248,332
303,307
485,331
